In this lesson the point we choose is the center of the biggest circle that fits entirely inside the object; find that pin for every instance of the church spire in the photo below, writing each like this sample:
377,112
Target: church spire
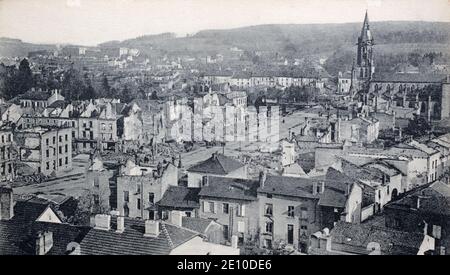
365,31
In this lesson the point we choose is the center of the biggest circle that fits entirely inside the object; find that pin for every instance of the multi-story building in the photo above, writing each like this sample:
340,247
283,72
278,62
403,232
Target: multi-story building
45,150
6,153
288,210
140,188
233,203
97,128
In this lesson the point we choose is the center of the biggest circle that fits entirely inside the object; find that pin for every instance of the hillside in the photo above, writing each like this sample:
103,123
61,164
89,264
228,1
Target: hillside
290,39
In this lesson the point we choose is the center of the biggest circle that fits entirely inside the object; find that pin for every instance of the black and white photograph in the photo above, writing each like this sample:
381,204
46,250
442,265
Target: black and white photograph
250,128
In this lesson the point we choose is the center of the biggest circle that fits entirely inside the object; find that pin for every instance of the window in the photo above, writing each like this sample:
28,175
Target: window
54,140
268,209
225,208
47,165
103,126
60,138
241,210
291,211
67,137
211,207
151,215
304,213
126,196
66,160
46,141
241,226
151,198
96,199
138,189
138,204
66,148
126,211
60,149
269,227
90,124
60,162
47,153
96,182
303,230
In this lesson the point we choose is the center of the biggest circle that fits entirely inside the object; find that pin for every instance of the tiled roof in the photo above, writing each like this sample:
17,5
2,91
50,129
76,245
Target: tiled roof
336,187
217,164
18,238
355,238
180,197
132,241
408,77
434,199
196,224
230,188
288,186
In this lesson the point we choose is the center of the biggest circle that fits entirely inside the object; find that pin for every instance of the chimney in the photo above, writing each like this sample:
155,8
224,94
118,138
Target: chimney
6,203
102,221
120,224
44,242
234,241
176,218
262,178
151,228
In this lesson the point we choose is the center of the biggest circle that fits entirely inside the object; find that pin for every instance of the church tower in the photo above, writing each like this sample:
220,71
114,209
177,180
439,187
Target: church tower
364,59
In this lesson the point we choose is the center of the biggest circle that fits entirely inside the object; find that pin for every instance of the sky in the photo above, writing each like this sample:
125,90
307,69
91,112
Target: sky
89,22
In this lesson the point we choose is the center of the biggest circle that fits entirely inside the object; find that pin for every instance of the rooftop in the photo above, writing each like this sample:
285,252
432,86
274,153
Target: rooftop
230,188
180,197
218,164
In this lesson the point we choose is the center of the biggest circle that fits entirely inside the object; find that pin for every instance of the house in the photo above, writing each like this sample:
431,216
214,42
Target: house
46,149
425,210
180,198
360,129
7,169
97,128
368,239
109,235
125,236
101,183
140,188
217,165
232,202
288,210
343,199
38,98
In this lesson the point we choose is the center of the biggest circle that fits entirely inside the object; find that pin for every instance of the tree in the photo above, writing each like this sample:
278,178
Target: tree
24,78
106,89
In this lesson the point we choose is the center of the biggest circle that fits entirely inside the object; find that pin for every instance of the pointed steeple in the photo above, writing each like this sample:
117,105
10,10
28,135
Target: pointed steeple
365,31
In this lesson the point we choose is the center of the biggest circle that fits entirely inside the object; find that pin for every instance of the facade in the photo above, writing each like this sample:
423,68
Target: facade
231,202
288,210
45,150
138,192
7,171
